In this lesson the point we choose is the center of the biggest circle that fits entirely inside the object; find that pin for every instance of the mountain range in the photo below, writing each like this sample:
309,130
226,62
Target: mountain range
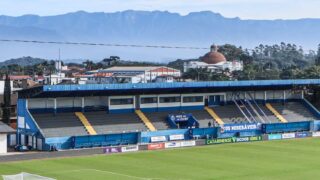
199,29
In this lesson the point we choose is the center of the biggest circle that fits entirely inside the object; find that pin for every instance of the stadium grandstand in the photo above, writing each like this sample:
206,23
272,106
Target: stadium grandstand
76,116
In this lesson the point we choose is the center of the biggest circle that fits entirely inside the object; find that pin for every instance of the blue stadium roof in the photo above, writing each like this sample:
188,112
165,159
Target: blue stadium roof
177,87
88,87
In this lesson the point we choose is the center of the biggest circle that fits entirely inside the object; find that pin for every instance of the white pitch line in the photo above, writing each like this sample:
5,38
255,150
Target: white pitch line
109,172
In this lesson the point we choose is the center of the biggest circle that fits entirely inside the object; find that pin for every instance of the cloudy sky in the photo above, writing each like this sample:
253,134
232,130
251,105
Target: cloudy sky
245,9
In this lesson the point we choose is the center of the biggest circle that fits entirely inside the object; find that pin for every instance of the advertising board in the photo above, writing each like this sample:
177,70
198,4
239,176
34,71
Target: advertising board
229,128
247,139
302,134
172,144
274,136
288,135
316,134
129,148
188,143
219,141
155,146
179,117
158,139
111,150
233,140
176,137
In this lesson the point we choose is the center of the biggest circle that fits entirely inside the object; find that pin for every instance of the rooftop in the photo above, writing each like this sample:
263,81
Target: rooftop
161,88
131,68
5,129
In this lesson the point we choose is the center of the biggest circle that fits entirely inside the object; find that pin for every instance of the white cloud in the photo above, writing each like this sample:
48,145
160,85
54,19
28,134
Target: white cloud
247,9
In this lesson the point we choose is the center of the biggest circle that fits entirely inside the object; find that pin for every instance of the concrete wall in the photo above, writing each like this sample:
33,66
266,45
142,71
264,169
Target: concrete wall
3,143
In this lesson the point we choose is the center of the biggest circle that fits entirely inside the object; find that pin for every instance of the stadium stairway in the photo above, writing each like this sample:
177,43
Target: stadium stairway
276,113
86,123
294,111
270,117
230,114
214,115
145,120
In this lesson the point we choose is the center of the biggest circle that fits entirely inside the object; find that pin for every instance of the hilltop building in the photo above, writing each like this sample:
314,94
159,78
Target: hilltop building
214,61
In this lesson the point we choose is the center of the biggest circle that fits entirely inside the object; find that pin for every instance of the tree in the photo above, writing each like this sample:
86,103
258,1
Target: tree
231,52
88,65
291,73
6,108
199,74
317,62
312,72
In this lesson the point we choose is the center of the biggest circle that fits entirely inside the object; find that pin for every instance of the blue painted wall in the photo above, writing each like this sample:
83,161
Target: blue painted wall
286,127
58,143
204,132
105,140
28,120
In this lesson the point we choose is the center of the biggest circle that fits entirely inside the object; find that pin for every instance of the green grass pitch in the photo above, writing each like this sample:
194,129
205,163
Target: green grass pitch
286,159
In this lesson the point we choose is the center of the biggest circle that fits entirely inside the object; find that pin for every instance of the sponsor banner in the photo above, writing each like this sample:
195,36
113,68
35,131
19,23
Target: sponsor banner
188,143
111,150
274,136
158,138
179,117
233,140
302,134
255,138
155,146
172,144
316,134
176,137
229,128
241,139
247,139
129,148
288,135
219,141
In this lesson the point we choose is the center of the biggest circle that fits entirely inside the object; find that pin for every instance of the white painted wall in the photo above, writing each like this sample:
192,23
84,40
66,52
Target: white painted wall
3,143
2,86
68,102
94,101
174,104
124,106
40,103
192,103
151,105
259,95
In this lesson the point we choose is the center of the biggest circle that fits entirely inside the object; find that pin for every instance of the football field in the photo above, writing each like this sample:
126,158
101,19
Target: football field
283,159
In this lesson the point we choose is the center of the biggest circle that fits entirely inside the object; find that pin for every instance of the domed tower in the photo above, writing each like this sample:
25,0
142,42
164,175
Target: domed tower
213,57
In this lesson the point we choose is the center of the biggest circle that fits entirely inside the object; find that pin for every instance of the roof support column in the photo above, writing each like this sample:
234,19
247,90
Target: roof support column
55,105
82,104
265,96
302,94
284,96
181,99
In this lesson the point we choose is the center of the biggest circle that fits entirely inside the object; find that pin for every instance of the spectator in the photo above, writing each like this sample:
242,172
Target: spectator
209,124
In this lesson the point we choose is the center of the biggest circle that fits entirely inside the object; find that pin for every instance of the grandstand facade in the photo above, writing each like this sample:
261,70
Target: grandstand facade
75,116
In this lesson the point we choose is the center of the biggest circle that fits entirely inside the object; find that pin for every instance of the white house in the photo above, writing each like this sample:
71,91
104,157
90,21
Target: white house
5,130
132,74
